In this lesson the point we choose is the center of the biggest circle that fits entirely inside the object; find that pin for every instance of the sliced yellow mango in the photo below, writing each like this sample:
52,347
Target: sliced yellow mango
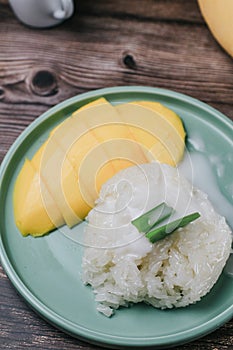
77,138
58,178
63,179
106,124
92,135
48,199
157,128
31,216
106,142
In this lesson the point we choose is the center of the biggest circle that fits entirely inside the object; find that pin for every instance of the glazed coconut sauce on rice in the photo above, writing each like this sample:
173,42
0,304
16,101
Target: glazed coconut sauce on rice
124,267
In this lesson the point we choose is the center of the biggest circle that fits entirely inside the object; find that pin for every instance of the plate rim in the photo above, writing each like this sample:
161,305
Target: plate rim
59,321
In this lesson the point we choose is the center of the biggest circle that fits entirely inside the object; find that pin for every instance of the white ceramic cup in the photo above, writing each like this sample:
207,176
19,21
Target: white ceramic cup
42,13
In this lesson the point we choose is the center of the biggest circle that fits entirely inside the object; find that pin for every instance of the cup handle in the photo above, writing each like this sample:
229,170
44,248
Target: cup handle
65,11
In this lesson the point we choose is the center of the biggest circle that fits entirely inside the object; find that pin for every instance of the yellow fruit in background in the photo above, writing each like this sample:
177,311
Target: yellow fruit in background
218,15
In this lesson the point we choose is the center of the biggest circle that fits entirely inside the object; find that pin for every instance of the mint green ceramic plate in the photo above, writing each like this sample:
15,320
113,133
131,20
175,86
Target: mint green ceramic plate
46,271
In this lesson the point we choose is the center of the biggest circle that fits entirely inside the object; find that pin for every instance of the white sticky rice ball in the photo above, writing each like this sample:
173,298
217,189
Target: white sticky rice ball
123,267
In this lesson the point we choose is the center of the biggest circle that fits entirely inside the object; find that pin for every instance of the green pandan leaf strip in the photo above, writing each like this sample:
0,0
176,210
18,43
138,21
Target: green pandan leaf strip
147,221
165,230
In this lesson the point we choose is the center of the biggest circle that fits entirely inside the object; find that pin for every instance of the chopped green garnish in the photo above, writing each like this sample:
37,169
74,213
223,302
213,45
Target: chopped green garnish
165,230
147,221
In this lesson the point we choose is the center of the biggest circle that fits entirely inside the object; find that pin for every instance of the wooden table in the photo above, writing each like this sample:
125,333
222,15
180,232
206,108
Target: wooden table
160,43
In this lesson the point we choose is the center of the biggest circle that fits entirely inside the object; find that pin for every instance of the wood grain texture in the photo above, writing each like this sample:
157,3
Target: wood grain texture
160,43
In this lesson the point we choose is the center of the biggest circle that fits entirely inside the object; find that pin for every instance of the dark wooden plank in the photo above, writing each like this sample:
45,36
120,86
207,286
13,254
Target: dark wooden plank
161,43
80,62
